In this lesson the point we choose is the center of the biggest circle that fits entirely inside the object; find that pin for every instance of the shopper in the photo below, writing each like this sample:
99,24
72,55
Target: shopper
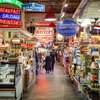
48,63
37,62
53,57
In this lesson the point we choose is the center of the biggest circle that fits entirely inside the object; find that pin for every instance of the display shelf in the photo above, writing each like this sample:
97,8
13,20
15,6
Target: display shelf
94,89
93,68
77,85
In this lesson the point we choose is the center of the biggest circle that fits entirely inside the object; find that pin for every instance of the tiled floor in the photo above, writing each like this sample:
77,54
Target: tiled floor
52,86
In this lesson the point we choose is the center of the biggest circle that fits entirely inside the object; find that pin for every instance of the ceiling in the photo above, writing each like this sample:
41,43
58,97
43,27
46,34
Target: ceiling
52,6
55,6
90,10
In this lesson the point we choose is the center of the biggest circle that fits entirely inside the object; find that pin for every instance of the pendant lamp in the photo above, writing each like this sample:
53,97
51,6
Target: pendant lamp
50,17
52,25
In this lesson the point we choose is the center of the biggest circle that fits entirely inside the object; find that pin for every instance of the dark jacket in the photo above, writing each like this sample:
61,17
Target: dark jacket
48,63
53,55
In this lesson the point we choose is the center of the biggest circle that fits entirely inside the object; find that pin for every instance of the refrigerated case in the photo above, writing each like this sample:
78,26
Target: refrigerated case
11,85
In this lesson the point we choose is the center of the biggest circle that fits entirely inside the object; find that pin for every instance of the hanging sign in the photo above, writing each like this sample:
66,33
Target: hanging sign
44,34
67,28
34,7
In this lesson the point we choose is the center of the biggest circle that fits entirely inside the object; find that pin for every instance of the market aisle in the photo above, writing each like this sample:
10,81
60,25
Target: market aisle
53,86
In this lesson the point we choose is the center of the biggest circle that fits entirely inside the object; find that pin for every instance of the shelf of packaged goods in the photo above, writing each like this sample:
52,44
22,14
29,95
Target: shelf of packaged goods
94,89
77,85
95,68
94,80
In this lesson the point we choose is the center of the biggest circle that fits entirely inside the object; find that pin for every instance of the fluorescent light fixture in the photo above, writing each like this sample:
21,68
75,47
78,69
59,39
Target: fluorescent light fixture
62,15
50,19
65,5
97,28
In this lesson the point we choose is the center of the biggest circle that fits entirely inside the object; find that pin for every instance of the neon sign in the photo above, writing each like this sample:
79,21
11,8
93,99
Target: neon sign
10,10
14,2
10,16
10,22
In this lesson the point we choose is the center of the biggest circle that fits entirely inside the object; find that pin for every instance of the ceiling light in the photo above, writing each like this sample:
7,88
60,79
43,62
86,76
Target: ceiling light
97,27
62,15
65,5
50,17
52,25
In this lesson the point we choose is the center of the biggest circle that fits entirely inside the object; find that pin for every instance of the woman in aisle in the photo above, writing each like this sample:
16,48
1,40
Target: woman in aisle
48,63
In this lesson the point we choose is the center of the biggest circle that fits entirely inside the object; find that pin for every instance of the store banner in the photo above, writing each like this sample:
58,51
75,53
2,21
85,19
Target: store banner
44,34
67,28
34,7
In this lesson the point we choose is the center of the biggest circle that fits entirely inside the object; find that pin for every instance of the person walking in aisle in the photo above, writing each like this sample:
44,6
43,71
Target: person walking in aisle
37,62
53,57
48,63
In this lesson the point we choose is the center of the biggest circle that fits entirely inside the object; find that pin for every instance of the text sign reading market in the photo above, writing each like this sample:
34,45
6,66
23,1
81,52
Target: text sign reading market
10,16
67,28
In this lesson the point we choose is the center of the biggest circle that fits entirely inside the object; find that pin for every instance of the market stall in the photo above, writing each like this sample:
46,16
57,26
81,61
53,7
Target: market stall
16,51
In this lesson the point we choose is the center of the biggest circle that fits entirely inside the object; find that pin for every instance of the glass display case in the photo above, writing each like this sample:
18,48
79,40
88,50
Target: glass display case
7,74
10,79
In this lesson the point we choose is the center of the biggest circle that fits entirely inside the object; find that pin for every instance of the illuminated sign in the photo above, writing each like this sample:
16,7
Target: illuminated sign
34,7
10,10
14,2
10,16
10,22
44,35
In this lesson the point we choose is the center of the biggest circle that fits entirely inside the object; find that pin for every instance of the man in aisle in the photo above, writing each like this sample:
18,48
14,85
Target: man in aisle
53,57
